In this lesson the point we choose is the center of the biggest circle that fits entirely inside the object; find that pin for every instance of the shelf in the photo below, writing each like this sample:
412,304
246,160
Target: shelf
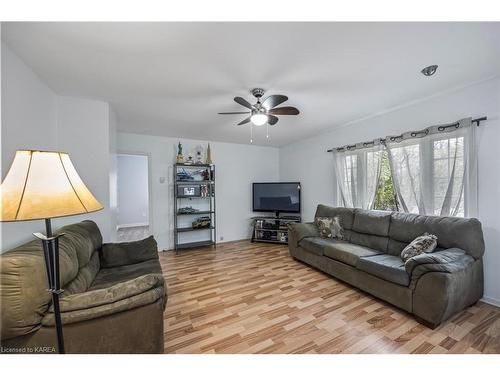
194,182
191,229
271,218
193,196
188,245
193,165
195,213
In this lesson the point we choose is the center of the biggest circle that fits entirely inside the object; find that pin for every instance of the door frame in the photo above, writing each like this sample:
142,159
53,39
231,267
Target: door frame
150,180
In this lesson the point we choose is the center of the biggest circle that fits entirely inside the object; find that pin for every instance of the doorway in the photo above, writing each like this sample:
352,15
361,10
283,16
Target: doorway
133,194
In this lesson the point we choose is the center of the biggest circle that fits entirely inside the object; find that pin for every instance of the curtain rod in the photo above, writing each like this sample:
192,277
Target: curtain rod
477,121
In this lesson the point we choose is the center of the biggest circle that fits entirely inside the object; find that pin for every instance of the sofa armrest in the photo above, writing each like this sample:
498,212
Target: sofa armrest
299,231
446,261
93,304
441,257
126,253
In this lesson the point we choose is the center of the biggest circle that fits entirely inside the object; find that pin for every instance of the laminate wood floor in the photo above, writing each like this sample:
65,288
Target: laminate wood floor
254,298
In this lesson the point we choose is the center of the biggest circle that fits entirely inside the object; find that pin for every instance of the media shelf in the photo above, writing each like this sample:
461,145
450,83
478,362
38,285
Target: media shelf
272,229
194,185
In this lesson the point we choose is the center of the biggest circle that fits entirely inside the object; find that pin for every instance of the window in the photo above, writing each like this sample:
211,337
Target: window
431,172
448,172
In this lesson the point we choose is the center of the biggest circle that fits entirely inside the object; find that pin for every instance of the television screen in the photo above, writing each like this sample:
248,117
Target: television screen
276,196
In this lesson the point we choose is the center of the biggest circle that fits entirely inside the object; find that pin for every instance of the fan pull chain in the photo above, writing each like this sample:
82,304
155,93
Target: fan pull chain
251,133
267,132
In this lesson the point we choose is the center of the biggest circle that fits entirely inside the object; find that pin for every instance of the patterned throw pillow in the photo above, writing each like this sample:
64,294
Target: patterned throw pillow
329,227
425,243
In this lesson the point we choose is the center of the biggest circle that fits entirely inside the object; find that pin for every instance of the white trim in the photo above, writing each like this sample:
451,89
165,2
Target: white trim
132,225
491,301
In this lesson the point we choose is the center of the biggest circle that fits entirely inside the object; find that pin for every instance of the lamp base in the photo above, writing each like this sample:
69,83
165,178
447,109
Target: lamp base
51,255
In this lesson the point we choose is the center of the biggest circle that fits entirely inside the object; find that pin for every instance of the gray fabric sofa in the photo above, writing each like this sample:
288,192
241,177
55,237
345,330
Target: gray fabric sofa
431,286
113,300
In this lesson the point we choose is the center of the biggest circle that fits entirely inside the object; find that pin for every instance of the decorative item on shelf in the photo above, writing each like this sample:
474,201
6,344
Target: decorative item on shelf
189,160
201,222
187,210
206,175
189,191
182,175
283,237
180,158
45,185
204,190
199,154
209,155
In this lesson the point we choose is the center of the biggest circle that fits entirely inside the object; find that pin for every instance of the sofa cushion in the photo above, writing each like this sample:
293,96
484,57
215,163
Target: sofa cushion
372,222
348,253
85,238
371,241
126,253
110,276
85,277
463,233
387,267
315,245
395,247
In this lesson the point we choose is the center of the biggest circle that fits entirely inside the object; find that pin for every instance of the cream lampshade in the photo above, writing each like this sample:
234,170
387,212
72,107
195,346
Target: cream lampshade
44,184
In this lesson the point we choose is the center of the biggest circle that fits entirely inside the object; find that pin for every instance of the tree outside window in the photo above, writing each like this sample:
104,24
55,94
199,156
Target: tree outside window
385,198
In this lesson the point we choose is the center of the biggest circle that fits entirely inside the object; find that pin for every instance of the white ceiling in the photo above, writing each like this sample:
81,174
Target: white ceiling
171,79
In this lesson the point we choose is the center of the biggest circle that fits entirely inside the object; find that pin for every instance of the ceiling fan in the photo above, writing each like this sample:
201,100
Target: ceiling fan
265,112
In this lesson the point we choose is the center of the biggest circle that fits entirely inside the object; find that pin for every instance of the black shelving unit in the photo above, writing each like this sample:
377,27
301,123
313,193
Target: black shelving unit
272,229
200,191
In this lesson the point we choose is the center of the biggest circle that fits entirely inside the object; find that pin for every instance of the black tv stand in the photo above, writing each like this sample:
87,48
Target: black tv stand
272,229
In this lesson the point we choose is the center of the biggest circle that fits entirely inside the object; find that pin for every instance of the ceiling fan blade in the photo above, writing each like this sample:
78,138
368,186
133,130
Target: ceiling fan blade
243,102
234,113
274,100
272,120
244,121
284,111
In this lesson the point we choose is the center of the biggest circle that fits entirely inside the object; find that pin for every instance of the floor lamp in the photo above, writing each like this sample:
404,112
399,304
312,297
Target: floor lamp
45,185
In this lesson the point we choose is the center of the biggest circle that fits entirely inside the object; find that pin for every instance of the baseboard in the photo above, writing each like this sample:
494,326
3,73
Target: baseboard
491,301
132,225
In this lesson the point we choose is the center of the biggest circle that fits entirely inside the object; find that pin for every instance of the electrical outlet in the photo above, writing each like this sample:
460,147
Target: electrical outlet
221,238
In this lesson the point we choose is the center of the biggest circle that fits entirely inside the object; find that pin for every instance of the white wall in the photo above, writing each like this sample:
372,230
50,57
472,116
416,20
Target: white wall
307,161
133,190
34,117
83,131
237,166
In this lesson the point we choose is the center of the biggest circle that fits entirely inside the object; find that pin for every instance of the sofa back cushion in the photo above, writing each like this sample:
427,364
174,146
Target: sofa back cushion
24,298
346,216
464,233
371,229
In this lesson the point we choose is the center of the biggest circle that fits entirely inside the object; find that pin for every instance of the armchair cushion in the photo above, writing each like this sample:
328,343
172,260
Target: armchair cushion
126,253
127,295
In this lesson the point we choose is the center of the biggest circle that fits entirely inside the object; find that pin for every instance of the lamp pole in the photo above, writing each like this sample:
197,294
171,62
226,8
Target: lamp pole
51,255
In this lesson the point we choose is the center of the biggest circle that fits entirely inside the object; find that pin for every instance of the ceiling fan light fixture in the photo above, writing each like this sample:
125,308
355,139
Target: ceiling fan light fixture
259,119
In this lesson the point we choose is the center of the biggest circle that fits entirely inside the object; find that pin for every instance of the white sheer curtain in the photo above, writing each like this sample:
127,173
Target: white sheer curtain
357,170
435,171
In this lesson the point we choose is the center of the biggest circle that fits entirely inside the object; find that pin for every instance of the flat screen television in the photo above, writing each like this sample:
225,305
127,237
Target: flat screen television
276,197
